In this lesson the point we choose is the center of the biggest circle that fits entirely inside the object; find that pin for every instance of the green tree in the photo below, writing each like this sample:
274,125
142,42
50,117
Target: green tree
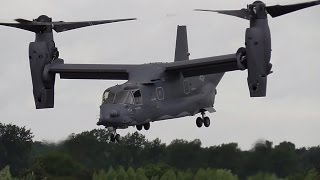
211,174
263,176
183,154
169,175
200,175
111,175
5,174
185,175
121,174
140,174
285,159
311,158
296,176
15,147
101,175
152,170
226,156
55,165
30,176
127,152
88,148
155,178
312,175
131,173
153,152
40,148
256,160
223,174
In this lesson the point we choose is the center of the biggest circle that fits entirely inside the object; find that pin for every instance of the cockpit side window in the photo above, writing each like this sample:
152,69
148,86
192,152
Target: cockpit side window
137,97
129,99
105,95
108,97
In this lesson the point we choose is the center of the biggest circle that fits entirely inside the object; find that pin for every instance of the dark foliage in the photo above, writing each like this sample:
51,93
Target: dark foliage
82,155
15,147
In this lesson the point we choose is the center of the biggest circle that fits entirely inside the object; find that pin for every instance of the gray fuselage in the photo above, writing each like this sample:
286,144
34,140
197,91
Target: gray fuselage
157,96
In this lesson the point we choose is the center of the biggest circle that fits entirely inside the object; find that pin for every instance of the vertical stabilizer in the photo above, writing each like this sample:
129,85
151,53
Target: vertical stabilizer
182,51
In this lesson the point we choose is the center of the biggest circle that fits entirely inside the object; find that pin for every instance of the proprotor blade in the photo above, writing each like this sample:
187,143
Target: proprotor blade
36,26
66,26
43,22
279,10
243,13
274,11
23,21
29,27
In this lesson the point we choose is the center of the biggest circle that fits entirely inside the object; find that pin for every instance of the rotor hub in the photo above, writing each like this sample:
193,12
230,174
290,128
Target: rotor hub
258,10
43,18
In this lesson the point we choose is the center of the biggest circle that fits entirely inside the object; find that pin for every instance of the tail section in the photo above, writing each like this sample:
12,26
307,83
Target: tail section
182,51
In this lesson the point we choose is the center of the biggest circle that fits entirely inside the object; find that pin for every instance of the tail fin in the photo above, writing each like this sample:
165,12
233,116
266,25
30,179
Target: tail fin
182,51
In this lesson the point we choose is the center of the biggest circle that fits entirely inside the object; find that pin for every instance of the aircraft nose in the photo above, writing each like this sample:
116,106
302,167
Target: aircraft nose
108,114
113,115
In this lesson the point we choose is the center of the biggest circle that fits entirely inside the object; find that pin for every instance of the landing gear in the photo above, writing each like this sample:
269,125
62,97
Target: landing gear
199,122
206,121
139,127
203,120
114,136
146,126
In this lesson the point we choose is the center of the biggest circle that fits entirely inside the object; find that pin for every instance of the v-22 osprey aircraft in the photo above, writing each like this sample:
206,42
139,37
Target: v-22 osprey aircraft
156,91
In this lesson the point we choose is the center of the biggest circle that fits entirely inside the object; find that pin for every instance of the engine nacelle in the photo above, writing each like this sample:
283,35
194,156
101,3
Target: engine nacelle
40,55
258,54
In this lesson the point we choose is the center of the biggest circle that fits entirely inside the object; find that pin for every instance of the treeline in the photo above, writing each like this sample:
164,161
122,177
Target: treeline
90,155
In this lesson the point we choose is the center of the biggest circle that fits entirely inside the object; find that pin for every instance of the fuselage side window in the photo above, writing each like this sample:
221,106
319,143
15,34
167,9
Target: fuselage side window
137,97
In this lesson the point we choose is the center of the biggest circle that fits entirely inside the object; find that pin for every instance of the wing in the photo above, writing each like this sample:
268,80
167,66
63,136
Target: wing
203,66
43,76
91,71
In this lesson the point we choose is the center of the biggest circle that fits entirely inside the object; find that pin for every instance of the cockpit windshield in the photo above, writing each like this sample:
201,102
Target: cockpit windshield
122,97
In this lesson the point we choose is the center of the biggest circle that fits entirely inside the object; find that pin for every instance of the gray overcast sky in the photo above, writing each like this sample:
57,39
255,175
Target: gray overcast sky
290,112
